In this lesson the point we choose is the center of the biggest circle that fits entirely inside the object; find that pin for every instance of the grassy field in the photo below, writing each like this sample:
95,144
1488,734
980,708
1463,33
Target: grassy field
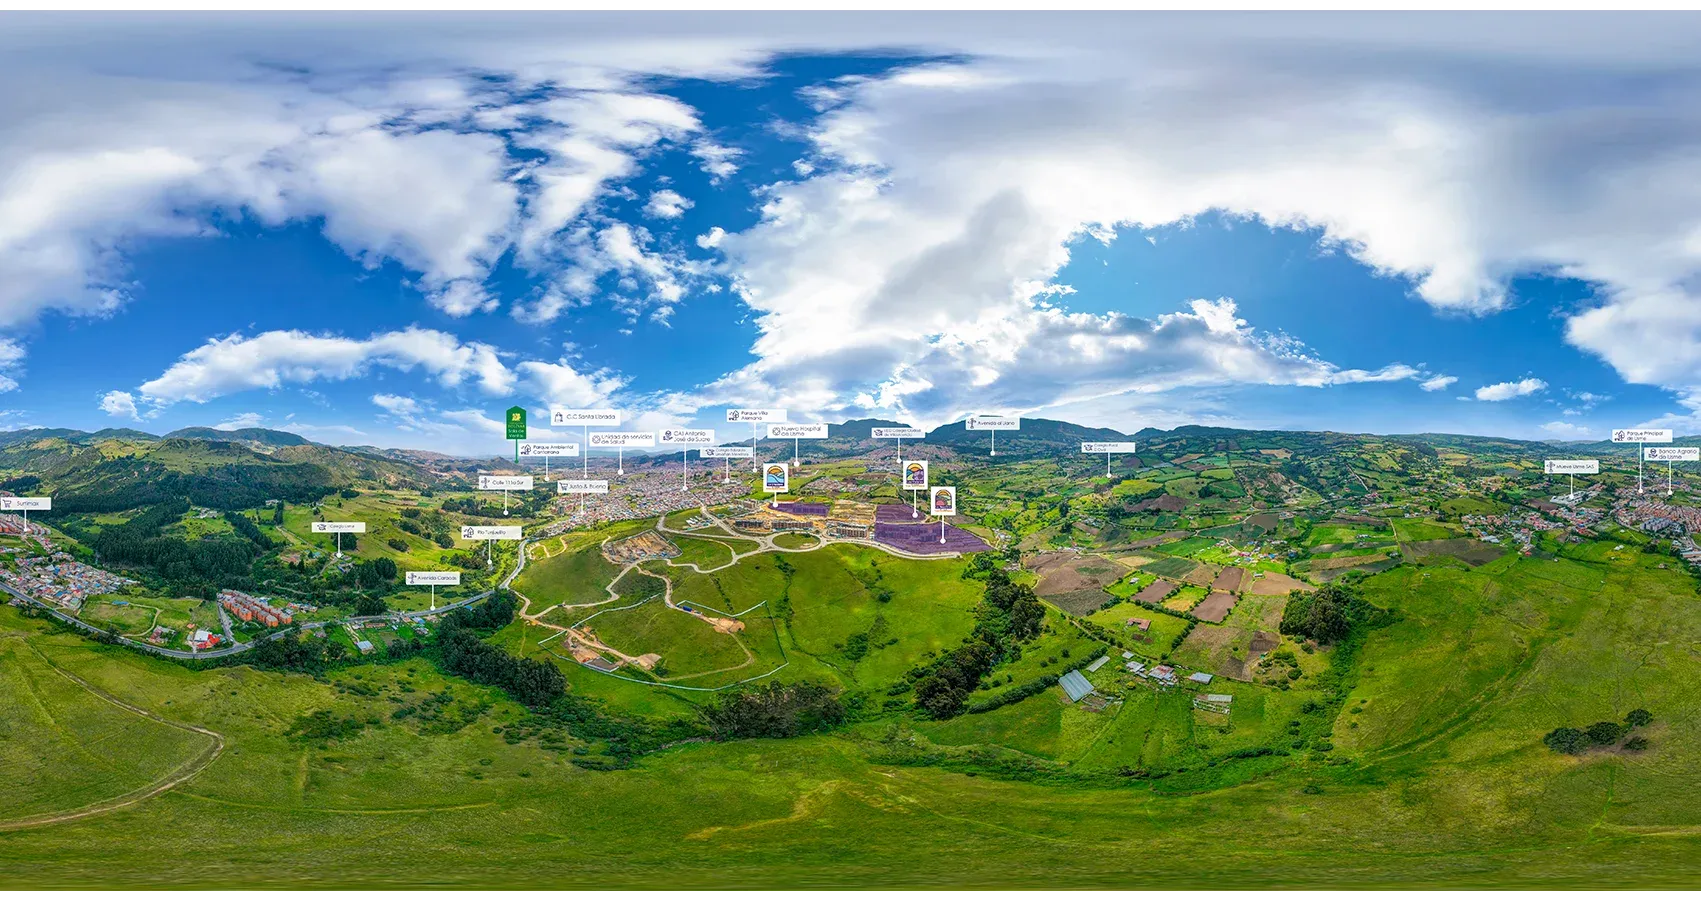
571,569
64,748
1186,598
1428,770
905,609
705,553
1161,634
380,512
1322,535
1421,530
687,645
1187,546
133,612
1172,567
794,541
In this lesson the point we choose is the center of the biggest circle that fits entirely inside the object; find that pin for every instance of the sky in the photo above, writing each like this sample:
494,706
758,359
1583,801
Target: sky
385,229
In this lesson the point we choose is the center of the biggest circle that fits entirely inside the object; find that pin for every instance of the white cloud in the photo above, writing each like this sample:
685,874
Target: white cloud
1585,401
12,356
438,202
717,160
241,420
562,385
1569,431
1508,390
393,165
121,404
712,238
667,204
593,140
396,405
649,280
938,200
274,358
1394,372
1027,360
1438,383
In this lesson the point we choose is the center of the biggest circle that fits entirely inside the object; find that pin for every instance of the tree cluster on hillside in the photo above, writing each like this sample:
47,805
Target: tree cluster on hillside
1325,615
313,653
115,485
1009,615
429,524
192,567
1572,741
541,686
774,710
246,527
462,650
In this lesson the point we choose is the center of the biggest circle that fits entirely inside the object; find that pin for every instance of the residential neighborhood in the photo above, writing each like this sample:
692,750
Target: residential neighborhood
61,580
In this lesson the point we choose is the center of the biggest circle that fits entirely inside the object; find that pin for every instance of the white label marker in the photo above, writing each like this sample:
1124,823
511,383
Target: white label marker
727,455
339,529
755,417
776,480
912,475
796,432
1640,436
1669,455
433,579
1107,448
505,483
1573,468
687,438
490,534
898,434
619,441
993,424
24,505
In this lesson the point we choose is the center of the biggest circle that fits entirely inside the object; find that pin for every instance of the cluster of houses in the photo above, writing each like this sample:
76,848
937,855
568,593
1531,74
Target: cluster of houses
1257,550
1519,529
254,609
14,525
641,495
1656,517
61,580
1076,686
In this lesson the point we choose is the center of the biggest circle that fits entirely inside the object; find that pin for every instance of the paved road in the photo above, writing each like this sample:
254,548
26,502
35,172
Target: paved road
235,648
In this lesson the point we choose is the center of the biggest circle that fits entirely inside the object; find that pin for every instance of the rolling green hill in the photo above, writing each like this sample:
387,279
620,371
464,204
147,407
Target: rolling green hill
88,473
1406,748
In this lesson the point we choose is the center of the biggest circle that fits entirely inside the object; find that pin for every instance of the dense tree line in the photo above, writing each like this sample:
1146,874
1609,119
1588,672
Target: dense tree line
774,710
246,527
191,566
21,485
313,653
462,651
1008,616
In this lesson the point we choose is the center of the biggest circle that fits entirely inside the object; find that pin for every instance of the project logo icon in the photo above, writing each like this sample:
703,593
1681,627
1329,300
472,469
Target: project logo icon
915,475
774,478
944,501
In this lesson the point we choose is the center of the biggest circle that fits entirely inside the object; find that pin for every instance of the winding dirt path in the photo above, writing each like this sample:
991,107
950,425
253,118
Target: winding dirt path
178,776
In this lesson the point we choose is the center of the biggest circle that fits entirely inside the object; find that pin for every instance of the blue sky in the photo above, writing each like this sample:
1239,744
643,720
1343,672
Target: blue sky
386,233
